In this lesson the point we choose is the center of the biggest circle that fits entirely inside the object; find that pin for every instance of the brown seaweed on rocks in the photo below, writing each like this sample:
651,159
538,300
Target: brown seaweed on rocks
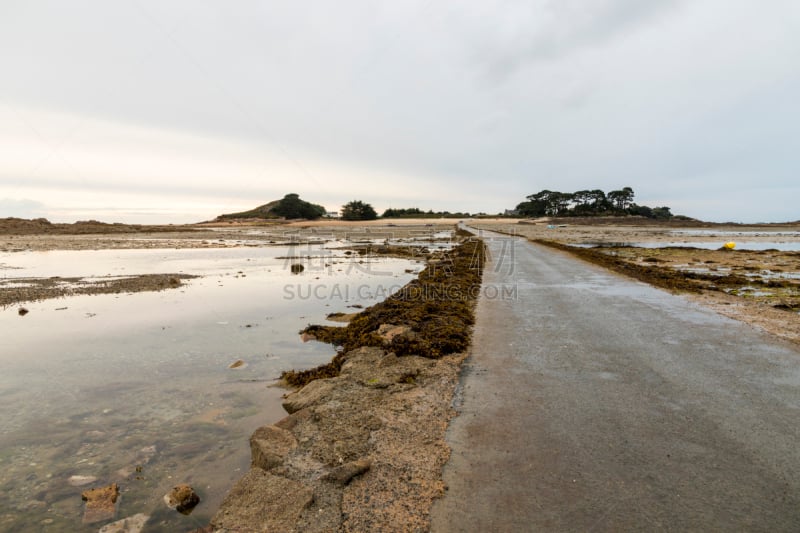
677,280
438,307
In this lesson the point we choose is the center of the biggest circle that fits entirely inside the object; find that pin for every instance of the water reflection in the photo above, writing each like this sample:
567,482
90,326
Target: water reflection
136,388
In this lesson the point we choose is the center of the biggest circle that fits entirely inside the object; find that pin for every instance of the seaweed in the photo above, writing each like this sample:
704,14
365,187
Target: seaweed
677,280
438,307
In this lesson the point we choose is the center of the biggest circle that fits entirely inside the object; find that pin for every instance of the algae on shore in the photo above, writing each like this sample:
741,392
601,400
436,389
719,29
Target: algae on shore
438,309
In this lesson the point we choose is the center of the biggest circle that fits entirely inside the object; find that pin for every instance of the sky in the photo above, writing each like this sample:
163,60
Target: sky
152,111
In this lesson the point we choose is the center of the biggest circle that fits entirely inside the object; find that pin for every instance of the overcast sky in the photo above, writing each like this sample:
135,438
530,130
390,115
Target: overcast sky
154,111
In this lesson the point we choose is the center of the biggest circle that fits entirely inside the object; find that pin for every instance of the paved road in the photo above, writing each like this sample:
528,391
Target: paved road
595,403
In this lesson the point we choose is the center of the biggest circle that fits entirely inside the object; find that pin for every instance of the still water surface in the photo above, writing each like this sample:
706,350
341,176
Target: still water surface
135,388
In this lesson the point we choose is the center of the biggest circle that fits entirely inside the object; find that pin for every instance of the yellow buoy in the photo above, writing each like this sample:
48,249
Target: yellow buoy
729,245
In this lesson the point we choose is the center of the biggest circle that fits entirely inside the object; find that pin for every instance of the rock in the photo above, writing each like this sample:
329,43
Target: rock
311,394
79,481
182,498
269,445
290,422
22,311
377,369
132,524
100,503
208,529
341,475
389,331
274,503
237,364
341,317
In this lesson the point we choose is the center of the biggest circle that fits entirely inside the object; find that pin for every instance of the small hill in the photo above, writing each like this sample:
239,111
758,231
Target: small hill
42,226
290,206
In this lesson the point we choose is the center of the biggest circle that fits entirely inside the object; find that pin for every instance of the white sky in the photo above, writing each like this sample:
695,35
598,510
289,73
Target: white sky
152,111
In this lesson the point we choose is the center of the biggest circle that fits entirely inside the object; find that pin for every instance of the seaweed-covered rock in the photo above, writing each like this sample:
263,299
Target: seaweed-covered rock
101,503
390,331
182,498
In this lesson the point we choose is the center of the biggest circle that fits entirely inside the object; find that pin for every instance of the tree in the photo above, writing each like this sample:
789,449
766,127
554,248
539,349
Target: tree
561,201
662,213
403,212
358,210
641,210
588,203
532,208
291,206
622,198
583,200
599,201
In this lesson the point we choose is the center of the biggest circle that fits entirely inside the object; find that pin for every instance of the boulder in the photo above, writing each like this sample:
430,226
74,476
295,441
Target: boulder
274,503
313,393
101,503
182,498
289,422
269,445
341,475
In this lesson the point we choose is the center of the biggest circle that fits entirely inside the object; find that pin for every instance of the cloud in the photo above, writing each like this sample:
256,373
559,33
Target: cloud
522,33
462,106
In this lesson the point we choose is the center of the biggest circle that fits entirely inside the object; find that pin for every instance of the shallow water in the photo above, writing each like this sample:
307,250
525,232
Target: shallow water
755,245
102,385
734,233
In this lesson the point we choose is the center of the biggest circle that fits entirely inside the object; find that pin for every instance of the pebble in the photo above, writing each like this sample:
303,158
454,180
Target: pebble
131,524
80,481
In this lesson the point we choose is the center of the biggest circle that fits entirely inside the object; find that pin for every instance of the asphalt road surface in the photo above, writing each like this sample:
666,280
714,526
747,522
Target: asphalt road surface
595,403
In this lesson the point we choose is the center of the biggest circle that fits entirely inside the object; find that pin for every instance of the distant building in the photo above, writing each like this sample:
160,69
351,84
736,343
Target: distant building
332,214
511,213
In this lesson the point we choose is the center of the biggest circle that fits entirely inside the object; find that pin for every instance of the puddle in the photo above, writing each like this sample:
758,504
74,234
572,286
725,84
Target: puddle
136,388
750,291
769,274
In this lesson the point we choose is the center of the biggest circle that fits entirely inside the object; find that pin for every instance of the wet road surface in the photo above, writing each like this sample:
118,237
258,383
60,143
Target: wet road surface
595,403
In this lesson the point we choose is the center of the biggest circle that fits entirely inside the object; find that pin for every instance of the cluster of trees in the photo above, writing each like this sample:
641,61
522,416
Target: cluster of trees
291,206
588,203
416,212
358,210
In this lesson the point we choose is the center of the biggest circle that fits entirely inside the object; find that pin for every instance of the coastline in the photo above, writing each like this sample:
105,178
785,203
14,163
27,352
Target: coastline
362,449
758,287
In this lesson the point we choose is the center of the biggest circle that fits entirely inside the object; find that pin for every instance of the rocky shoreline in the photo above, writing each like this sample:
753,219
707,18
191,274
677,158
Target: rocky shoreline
363,446
362,451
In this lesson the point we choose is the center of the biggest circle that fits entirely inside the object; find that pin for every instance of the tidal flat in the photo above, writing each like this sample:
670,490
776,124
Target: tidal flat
143,388
757,282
